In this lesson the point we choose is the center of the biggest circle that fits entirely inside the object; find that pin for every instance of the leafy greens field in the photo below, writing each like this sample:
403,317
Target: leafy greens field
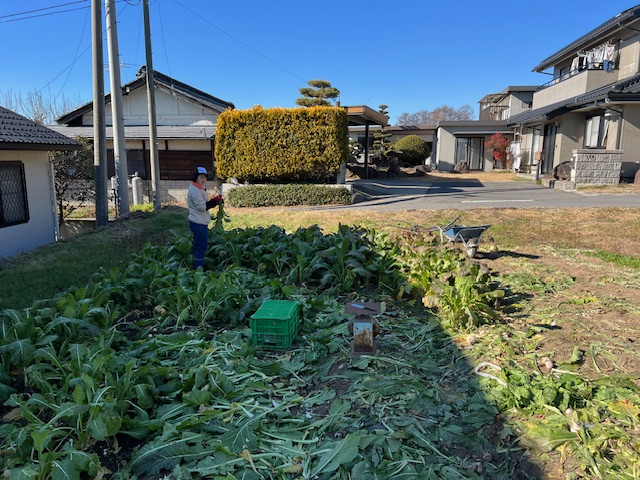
148,370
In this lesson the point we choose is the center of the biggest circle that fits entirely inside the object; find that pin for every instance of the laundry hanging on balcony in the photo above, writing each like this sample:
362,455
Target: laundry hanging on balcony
601,57
608,57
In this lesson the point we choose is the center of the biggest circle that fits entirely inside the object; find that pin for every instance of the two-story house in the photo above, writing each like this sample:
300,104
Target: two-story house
588,115
509,102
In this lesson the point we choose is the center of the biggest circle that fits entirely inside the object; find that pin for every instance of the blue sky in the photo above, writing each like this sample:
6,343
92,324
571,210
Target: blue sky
411,55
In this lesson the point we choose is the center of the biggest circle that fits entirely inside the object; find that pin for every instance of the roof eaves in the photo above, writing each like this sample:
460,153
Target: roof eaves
73,114
472,123
539,114
188,90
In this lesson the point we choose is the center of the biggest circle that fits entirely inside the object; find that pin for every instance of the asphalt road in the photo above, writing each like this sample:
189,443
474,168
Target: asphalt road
408,194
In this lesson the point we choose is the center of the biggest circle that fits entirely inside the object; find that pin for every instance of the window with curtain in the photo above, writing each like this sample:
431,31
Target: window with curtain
470,150
596,131
13,194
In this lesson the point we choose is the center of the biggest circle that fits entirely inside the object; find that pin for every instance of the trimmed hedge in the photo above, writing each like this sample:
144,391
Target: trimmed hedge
287,195
281,145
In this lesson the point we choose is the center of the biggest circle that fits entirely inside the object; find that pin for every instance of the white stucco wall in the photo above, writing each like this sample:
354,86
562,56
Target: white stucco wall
445,151
42,224
171,110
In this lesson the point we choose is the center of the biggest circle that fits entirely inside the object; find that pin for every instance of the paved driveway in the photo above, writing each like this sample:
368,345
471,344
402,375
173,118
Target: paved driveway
407,193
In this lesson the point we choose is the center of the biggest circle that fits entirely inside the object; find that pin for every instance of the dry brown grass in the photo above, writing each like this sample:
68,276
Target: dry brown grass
620,188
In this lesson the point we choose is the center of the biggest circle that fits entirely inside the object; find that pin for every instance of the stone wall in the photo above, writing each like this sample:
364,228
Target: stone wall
596,167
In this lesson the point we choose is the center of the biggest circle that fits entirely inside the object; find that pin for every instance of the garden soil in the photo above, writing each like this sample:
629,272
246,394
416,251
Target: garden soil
596,309
591,307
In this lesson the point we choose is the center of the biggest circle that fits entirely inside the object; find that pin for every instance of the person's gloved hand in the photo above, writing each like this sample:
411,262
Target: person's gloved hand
214,201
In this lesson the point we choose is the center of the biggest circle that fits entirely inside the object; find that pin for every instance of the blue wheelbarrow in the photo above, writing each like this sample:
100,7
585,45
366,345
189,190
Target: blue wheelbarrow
467,235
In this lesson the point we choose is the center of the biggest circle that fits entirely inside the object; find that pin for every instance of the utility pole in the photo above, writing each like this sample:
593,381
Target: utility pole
151,100
99,128
117,121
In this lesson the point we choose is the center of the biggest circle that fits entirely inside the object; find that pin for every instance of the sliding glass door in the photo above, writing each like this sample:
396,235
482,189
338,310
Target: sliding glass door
470,150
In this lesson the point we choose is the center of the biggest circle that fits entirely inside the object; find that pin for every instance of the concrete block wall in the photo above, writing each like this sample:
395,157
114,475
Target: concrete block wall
596,167
174,191
171,191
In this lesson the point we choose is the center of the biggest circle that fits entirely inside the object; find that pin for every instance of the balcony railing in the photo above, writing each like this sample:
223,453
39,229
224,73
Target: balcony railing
494,112
572,73
569,86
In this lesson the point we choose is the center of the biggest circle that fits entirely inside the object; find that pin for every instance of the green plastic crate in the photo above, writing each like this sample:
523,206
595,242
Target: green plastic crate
275,324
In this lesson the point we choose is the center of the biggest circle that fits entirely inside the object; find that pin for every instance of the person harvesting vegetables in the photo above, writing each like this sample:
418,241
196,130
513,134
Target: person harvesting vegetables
199,204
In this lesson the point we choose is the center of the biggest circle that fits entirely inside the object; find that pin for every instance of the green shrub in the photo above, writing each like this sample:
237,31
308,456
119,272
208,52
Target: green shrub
143,207
413,148
288,195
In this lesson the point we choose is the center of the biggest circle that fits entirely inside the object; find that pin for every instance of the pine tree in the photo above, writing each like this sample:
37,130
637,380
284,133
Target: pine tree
381,143
317,94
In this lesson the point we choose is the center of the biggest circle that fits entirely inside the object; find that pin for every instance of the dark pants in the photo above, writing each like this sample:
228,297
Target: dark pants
200,241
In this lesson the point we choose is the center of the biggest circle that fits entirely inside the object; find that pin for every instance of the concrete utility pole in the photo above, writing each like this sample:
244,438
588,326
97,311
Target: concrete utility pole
151,100
99,128
119,139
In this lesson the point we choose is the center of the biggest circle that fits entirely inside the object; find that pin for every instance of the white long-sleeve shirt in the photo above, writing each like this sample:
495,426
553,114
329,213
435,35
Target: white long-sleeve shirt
197,203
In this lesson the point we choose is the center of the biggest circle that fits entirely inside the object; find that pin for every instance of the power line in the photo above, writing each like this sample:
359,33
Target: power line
164,42
42,9
27,12
75,57
44,14
240,42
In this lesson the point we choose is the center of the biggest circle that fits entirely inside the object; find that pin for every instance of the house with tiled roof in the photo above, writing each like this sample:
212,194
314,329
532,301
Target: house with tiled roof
186,120
588,116
28,217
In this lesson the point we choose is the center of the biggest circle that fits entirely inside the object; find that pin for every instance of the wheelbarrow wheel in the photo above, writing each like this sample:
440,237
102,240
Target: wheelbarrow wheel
472,247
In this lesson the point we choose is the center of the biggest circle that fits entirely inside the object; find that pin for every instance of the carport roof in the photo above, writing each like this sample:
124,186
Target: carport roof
363,115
